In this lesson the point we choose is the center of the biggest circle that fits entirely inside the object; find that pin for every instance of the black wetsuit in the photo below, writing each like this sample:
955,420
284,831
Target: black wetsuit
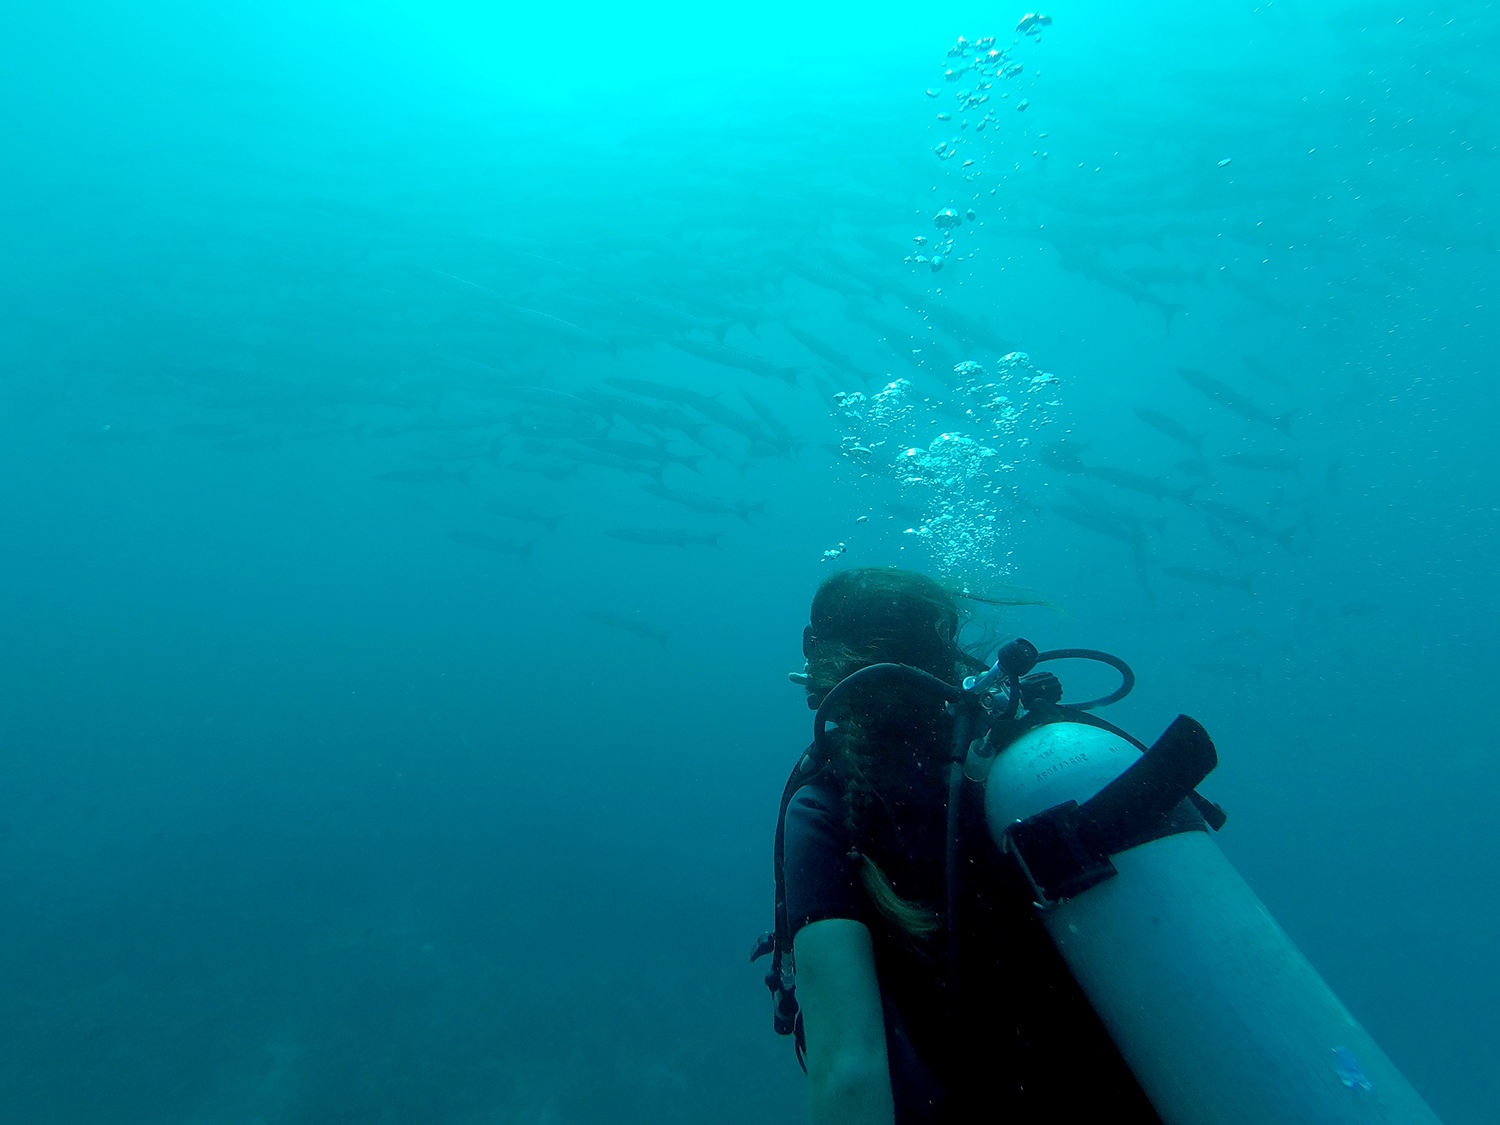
1012,1039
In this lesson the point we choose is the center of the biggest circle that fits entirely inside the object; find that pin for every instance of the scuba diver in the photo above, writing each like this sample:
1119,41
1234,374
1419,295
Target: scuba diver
992,905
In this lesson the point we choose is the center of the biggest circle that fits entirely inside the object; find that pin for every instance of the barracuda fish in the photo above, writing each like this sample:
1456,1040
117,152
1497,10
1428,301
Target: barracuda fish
732,357
785,442
708,505
809,269
550,470
532,318
1062,456
642,414
1228,397
646,388
1268,297
218,430
628,625
541,423
248,443
900,340
437,425
1264,372
1247,522
964,328
641,451
1127,516
484,372
493,544
1087,262
547,398
522,514
1139,482
722,449
1167,274
1171,427
1218,533
1121,531
424,476
866,310
1264,462
652,538
470,451
665,317
565,330
706,405
1200,576
605,460
830,355
1099,522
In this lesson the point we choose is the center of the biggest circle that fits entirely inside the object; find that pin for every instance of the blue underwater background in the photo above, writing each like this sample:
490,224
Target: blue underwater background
400,573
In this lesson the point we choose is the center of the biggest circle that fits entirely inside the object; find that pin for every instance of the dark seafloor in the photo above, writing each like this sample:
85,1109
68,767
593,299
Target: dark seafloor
422,428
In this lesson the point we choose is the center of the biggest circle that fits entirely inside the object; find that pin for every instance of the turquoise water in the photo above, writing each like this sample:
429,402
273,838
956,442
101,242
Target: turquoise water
400,575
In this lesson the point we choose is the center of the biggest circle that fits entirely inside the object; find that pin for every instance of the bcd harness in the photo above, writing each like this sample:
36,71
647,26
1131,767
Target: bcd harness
1062,851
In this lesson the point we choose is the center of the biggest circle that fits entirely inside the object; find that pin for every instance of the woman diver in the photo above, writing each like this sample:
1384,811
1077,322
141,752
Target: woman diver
932,975
904,1022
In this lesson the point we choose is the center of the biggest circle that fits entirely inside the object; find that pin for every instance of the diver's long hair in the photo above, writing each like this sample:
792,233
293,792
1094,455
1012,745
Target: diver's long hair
892,735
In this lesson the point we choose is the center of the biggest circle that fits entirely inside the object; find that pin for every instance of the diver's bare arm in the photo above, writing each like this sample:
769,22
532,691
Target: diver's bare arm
848,1073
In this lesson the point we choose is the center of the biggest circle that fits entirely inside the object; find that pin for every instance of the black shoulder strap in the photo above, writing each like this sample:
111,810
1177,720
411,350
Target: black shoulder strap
785,1016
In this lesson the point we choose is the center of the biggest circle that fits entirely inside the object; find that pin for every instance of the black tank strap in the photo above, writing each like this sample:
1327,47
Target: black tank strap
1065,850
1042,712
786,1017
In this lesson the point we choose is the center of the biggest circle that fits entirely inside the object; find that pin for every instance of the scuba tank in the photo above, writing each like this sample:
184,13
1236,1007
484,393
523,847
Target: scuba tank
1214,1009
1217,1013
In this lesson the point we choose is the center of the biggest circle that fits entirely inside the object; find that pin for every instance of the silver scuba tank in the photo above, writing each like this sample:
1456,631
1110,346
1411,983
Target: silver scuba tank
1219,1016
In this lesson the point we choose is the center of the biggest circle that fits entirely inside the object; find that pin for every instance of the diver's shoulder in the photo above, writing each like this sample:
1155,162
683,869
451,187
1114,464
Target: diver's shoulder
819,796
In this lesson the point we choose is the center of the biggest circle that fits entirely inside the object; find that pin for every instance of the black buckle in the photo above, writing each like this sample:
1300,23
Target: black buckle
1056,856
784,1010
